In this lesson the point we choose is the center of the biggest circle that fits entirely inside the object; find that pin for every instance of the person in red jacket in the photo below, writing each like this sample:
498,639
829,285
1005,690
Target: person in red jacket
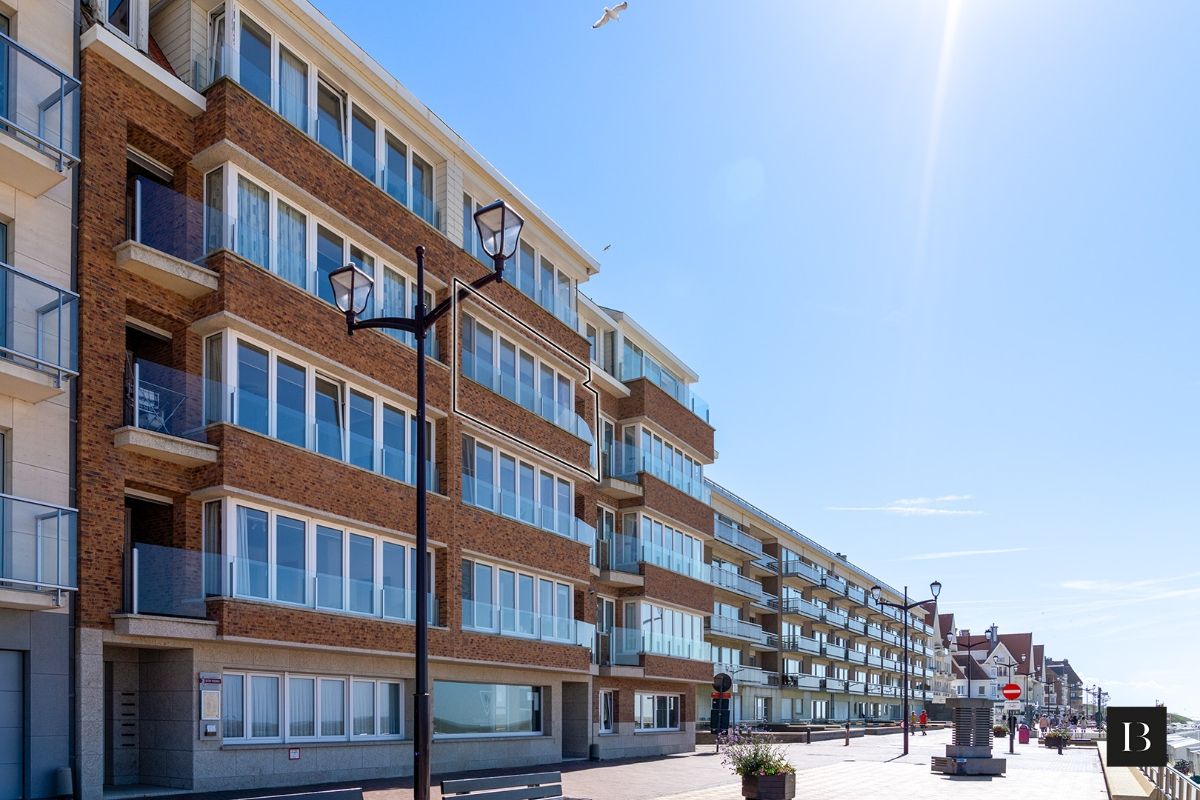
924,721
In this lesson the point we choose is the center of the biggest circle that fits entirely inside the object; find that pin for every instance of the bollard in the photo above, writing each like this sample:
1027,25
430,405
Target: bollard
1060,743
1012,737
808,736
847,733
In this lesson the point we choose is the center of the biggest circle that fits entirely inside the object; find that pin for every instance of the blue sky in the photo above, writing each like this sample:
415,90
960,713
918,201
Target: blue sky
915,250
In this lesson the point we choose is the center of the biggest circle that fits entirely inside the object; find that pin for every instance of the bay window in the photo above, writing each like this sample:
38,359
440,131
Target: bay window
293,89
502,483
254,66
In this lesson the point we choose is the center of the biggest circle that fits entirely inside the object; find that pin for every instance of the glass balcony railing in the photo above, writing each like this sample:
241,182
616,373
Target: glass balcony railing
626,646
738,628
793,567
797,605
645,367
625,553
488,618
742,674
170,581
834,684
769,563
834,617
856,625
624,463
521,508
526,396
834,583
801,644
38,544
727,579
890,638
856,594
856,656
737,537
40,103
41,323
330,131
834,651
801,681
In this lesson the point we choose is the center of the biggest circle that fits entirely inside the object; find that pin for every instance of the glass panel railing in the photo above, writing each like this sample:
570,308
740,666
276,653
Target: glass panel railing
802,644
41,323
796,605
168,581
834,583
834,617
38,544
626,645
737,537
856,594
769,563
527,397
624,463
800,681
165,400
646,367
833,684
40,105
794,567
731,580
482,617
735,627
856,656
626,554
289,94
834,651
175,224
522,508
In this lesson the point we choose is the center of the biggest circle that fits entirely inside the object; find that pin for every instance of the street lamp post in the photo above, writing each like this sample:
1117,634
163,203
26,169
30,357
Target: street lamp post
499,230
904,607
953,640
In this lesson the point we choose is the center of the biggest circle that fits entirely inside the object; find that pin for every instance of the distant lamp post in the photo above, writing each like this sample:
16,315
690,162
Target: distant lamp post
905,607
970,645
499,229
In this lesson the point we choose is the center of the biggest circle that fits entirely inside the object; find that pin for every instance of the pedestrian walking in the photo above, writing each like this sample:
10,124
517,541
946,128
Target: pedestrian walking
924,719
1043,725
912,720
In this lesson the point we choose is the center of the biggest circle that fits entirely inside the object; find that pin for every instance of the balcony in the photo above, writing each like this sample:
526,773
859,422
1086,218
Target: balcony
738,538
766,562
508,503
165,242
624,553
890,691
874,661
859,596
796,605
737,628
526,396
37,341
38,543
164,414
834,651
741,674
798,569
39,120
631,368
801,644
834,617
856,687
891,663
621,463
833,583
833,684
619,467
856,656
801,681
891,638
768,601
728,579
856,625
626,646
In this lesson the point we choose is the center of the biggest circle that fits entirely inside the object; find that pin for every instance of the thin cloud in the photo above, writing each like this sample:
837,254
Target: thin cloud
910,511
928,501
1122,586
965,553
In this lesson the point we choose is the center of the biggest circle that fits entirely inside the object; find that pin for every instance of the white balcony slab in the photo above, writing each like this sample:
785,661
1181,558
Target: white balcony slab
162,269
143,69
164,446
29,170
28,384
164,627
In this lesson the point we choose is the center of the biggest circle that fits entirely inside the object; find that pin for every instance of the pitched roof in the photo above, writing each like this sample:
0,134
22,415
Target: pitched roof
965,663
1020,645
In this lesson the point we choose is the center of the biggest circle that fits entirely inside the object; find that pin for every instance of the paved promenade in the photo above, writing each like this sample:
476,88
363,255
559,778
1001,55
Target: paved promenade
869,767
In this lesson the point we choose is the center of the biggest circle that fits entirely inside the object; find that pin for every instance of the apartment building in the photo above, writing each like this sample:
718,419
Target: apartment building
654,576
1068,686
39,149
795,626
247,467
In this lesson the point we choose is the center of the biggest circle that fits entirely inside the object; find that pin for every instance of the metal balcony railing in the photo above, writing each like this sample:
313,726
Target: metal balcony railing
38,545
41,324
39,103
801,644
735,627
795,568
626,646
737,537
796,605
728,579
801,681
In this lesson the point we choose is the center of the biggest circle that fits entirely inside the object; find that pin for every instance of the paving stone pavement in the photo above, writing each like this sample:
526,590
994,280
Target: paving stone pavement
869,767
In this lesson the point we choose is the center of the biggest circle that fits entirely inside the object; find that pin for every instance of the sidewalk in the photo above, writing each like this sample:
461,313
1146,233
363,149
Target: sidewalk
869,767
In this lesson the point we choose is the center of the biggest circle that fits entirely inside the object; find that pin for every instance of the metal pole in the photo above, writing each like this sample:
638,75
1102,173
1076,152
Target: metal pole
422,736
904,672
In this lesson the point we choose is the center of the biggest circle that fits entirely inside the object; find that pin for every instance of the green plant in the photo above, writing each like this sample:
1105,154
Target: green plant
1055,735
999,731
1183,765
753,754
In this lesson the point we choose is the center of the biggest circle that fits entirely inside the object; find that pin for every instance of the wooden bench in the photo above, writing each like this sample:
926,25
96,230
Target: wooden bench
533,786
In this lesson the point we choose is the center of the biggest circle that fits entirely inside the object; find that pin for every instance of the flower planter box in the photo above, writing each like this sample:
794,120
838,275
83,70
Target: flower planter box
769,787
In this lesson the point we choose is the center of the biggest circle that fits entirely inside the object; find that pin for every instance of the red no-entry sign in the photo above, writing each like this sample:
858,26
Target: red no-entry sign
1011,691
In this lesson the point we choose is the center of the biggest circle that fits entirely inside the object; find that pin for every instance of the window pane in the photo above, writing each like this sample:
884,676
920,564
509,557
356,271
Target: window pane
526,395
289,402
484,616
214,210
264,706
252,388
526,506
292,238
526,279
364,708
362,430
251,571
389,709
362,143
484,489
525,604
477,708
119,16
396,171
293,89
333,707
422,183
393,303
329,567
329,417
508,600
255,66
546,500
508,485
468,470
233,706
301,707
395,603
362,574
546,606
253,222
329,258
393,443
290,564
562,611
330,119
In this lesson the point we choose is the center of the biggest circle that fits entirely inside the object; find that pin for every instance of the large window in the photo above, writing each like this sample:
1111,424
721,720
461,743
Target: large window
298,708
255,62
668,462
500,482
655,712
515,603
331,118
665,546
305,407
668,631
283,557
486,709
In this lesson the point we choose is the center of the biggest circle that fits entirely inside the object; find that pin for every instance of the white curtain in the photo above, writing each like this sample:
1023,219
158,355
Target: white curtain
394,303
293,89
292,245
333,708
253,223
301,707
264,706
364,708
233,707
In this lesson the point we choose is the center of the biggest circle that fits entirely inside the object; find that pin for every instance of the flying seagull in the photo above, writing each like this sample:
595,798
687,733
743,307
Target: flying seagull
611,14
606,247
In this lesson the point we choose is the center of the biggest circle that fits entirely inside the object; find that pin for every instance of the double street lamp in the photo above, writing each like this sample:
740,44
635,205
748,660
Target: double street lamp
970,645
499,230
904,607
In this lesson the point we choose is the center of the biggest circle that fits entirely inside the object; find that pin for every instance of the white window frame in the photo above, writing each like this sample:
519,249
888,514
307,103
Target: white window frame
539,471
607,700
285,686
639,698
538,613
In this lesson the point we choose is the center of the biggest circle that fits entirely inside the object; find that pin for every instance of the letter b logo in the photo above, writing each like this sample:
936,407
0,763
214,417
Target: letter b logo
1137,737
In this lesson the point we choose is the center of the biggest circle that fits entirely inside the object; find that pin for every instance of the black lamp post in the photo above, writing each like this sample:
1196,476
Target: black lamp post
499,230
904,607
971,645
